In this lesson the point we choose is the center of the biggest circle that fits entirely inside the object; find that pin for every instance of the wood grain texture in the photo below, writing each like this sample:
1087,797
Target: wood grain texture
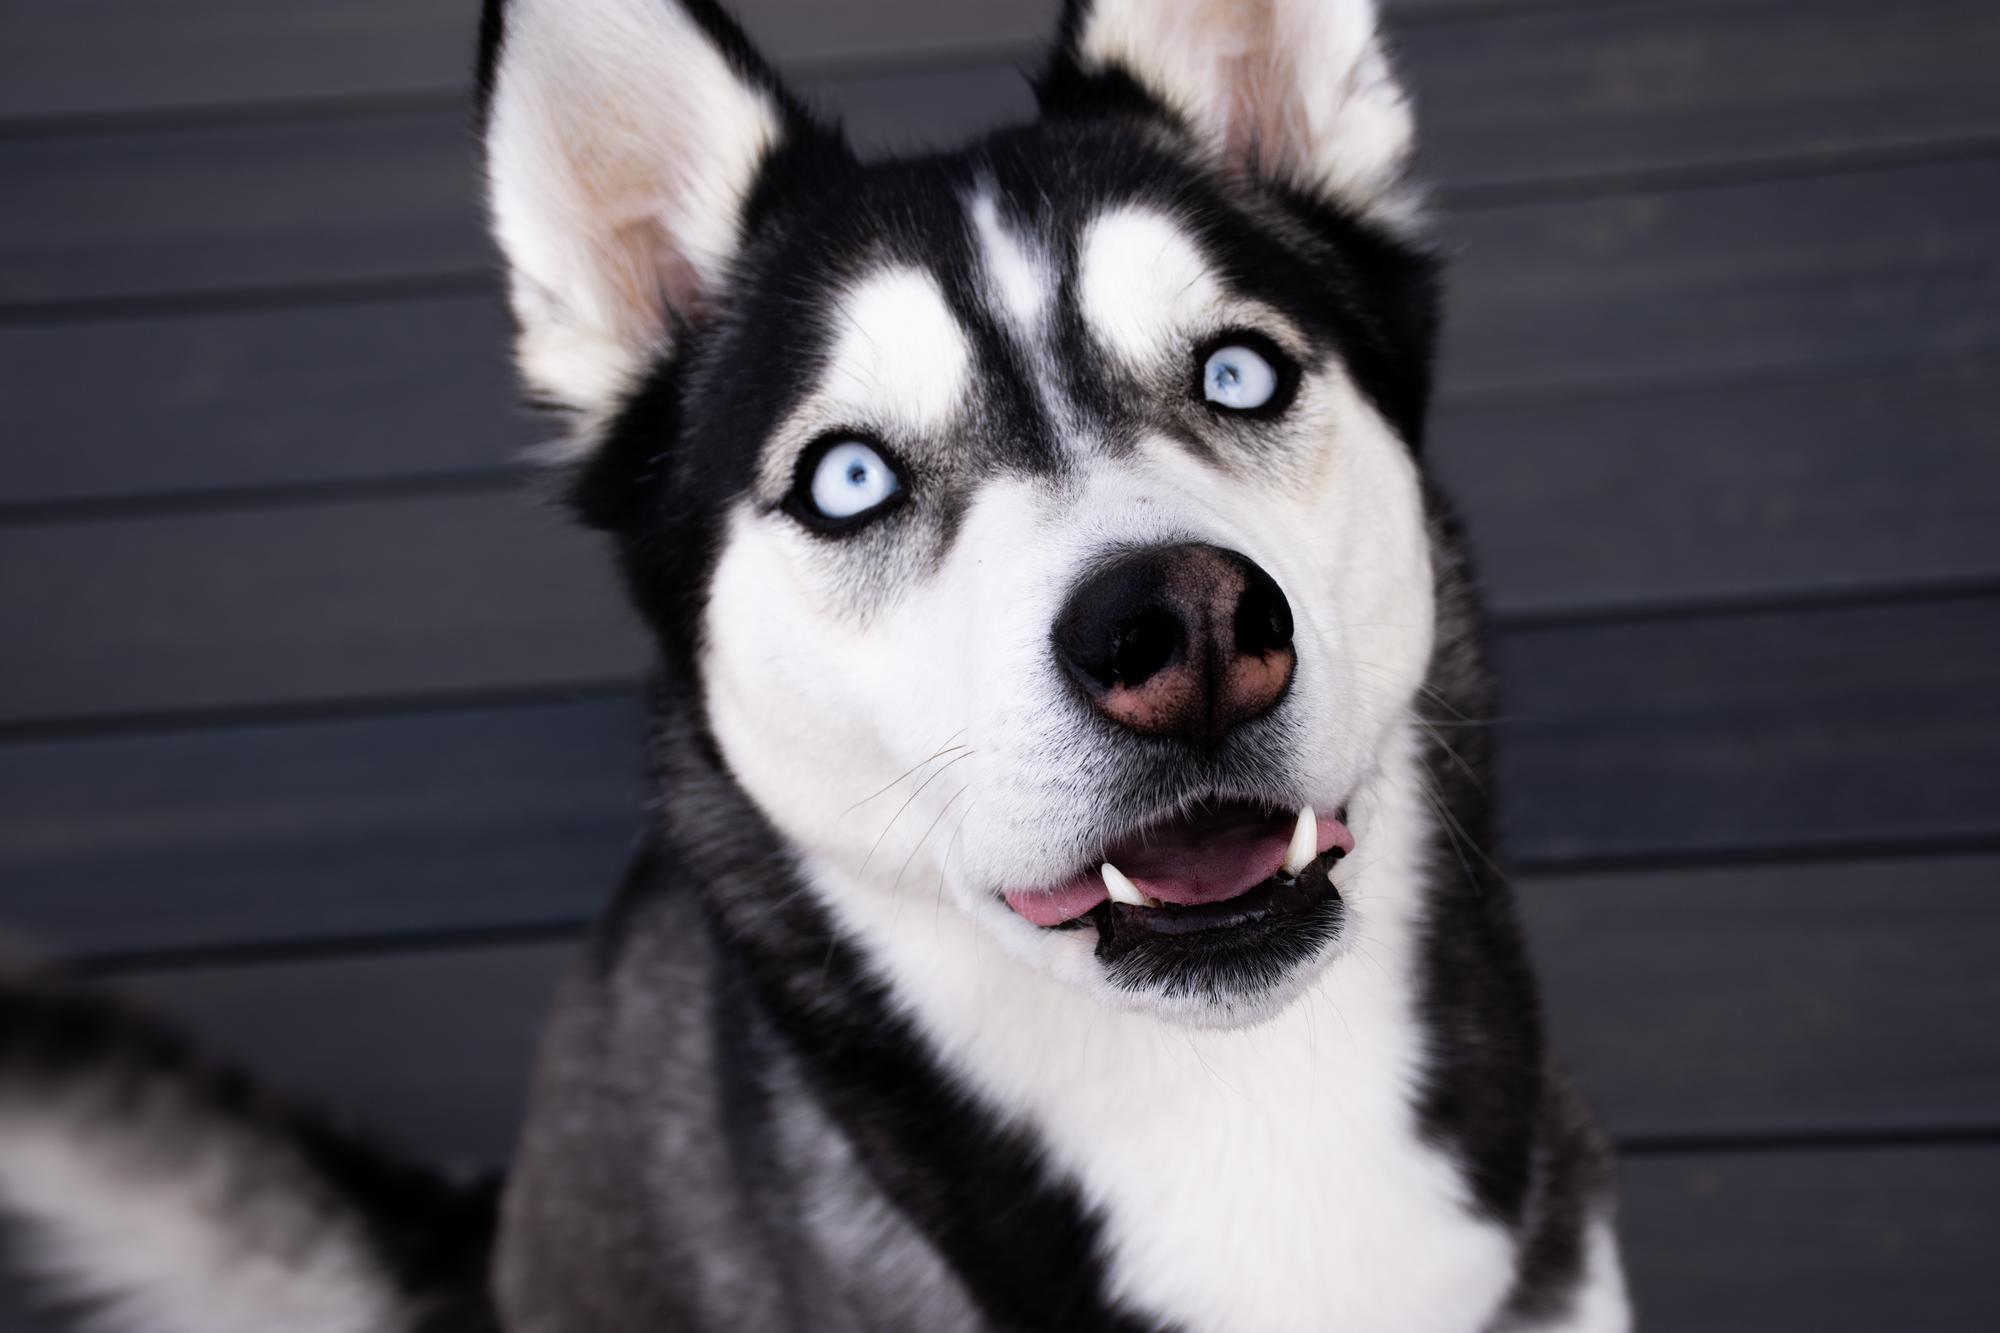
357,391
1822,729
1729,279
143,213
1618,89
1820,482
1833,1240
467,819
342,600
97,57
1827,997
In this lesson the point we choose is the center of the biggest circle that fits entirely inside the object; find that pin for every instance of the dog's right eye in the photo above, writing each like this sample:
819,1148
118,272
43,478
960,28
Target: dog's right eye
843,483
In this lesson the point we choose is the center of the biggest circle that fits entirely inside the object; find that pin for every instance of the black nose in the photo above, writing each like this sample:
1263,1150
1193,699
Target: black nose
1187,641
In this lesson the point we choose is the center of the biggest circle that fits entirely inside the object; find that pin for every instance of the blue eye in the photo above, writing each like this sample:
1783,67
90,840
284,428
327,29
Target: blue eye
849,481
1238,378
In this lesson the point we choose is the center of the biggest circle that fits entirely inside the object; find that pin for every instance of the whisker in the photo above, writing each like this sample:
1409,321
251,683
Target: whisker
944,867
901,809
938,753
896,885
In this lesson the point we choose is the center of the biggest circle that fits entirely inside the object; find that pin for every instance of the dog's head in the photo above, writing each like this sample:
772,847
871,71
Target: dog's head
1036,529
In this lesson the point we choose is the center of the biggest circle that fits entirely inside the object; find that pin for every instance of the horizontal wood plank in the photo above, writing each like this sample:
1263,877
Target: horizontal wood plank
465,819
99,57
1821,729
409,595
1702,490
296,396
1812,997
384,197
1837,1241
1729,279
1565,91
924,109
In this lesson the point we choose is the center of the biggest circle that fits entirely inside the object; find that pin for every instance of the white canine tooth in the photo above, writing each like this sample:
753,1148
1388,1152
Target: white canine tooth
1123,890
1305,842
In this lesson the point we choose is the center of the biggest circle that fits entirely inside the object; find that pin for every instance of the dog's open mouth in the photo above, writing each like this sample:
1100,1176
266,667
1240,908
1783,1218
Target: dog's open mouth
1232,866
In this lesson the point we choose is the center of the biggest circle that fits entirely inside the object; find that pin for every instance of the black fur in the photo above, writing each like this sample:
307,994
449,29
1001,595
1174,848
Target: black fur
1492,1095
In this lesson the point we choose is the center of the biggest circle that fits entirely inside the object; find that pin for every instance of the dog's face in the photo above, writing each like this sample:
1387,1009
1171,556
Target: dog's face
1037,527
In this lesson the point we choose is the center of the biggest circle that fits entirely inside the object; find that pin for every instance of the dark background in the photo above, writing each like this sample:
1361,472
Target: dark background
315,726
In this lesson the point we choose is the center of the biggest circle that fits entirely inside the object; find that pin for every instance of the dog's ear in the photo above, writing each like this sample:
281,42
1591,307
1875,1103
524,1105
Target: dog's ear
1299,92
622,140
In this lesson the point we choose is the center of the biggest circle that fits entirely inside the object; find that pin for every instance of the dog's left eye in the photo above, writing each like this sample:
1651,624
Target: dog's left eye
1243,372
845,482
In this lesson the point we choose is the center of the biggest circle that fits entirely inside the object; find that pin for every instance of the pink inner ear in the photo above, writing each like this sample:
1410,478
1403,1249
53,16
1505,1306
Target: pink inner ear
621,140
1296,90
1258,94
677,287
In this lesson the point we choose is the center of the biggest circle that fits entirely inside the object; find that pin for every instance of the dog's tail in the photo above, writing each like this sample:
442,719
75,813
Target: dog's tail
146,1188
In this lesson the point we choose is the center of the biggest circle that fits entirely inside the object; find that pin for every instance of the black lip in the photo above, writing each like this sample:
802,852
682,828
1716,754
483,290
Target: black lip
1121,928
1280,895
1223,952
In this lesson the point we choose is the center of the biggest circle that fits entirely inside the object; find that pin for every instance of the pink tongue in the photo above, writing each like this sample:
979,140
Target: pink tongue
1221,861
1205,861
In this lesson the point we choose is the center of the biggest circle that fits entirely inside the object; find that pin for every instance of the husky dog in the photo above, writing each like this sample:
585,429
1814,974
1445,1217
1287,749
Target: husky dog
1071,901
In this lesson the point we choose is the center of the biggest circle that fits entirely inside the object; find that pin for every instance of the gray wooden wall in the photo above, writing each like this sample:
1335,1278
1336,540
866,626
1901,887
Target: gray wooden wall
314,726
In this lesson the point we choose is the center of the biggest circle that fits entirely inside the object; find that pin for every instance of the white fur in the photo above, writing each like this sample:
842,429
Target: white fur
900,360
619,147
1020,284
1298,90
178,1233
1144,285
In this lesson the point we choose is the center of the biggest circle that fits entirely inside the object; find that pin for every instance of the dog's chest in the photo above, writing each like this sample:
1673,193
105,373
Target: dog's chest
1274,1179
